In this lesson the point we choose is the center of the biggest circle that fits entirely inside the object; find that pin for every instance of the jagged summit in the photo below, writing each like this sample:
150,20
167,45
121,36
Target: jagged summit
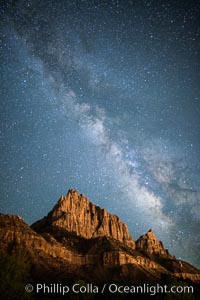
79,240
150,244
76,214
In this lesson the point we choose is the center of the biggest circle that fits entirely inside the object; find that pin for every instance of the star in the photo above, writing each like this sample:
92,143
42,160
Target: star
103,97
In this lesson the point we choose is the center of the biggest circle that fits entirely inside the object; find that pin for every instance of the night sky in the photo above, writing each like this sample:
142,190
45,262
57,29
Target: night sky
104,97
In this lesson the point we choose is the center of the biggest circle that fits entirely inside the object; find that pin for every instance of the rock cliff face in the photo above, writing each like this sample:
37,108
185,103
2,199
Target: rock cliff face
78,240
149,244
76,214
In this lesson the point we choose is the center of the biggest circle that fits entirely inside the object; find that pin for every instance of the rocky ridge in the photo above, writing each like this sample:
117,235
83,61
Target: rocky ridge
79,240
149,244
76,214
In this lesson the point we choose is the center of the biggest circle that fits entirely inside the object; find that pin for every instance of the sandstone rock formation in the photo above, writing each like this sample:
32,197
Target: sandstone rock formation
76,214
78,240
149,244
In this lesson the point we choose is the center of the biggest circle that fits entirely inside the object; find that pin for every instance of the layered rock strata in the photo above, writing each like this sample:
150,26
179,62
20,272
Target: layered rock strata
151,245
80,240
76,214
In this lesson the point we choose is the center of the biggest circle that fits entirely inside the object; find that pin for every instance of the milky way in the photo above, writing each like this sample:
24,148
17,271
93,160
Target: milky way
104,97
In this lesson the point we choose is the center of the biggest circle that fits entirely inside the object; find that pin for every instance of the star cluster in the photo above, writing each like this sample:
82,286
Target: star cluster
104,96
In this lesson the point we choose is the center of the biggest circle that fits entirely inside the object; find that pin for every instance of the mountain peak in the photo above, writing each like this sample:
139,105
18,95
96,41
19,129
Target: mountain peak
75,214
151,235
78,239
73,192
149,243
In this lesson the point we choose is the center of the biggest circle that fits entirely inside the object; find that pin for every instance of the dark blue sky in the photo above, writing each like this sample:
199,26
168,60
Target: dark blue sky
104,97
